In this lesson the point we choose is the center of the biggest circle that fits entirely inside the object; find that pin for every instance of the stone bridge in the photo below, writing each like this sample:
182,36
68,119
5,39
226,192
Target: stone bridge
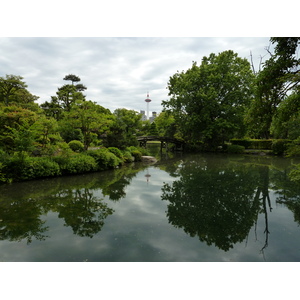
164,142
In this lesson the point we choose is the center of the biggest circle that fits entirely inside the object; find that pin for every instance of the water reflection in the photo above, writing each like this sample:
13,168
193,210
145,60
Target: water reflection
219,200
75,199
20,219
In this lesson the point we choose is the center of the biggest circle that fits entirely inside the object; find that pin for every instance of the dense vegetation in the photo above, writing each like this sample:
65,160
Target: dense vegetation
222,103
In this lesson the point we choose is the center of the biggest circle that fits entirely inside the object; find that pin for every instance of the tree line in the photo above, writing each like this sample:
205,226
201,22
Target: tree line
210,104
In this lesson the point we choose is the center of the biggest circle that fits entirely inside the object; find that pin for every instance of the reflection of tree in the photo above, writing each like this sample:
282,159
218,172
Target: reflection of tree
21,220
214,202
288,193
83,212
73,197
262,196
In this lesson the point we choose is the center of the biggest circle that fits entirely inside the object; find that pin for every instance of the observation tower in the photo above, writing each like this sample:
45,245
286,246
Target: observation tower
147,101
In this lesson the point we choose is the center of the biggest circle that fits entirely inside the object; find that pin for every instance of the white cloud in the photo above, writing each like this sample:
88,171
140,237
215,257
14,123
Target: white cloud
117,72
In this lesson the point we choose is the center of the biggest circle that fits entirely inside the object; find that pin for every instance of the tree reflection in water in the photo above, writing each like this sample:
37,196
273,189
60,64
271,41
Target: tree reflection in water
218,202
79,200
20,219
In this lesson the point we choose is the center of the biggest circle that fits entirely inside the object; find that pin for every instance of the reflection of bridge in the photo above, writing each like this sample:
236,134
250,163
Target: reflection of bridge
164,142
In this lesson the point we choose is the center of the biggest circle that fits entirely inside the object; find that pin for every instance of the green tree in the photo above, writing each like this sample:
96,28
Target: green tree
9,86
208,101
46,135
67,95
124,128
274,83
90,119
166,125
153,129
285,123
52,108
15,132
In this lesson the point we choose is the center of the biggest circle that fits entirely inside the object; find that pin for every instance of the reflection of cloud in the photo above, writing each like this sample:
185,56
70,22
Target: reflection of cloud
139,230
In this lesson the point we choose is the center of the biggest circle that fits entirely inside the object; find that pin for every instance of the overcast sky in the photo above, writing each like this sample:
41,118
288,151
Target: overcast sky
123,49
118,72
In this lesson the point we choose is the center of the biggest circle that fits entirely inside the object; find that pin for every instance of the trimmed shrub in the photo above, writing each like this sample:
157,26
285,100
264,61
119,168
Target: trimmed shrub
242,142
127,157
137,152
104,159
253,143
76,146
76,164
261,144
235,149
39,167
117,152
23,167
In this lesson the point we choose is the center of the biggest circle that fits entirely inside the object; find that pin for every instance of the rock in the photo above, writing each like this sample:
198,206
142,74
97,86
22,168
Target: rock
149,159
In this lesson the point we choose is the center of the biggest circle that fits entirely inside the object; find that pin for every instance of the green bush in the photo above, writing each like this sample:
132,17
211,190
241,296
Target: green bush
117,152
235,149
76,164
104,159
242,142
253,143
76,146
261,144
39,167
293,148
127,157
137,152
20,167
280,146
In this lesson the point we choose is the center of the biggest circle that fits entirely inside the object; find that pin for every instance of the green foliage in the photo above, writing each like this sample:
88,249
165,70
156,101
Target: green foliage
153,129
88,118
253,143
285,123
273,83
117,152
21,167
76,146
235,149
127,156
137,153
104,159
280,146
242,142
165,124
9,86
76,164
293,148
294,174
52,132
123,129
208,101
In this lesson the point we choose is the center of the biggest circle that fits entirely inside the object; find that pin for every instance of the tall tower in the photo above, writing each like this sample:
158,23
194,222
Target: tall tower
147,101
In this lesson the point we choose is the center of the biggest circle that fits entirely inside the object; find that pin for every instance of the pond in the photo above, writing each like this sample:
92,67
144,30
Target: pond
185,208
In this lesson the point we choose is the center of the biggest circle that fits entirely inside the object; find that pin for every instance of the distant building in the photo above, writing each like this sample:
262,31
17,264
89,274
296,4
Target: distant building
151,119
143,116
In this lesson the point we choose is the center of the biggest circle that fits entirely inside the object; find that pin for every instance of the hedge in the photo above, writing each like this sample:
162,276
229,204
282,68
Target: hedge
278,146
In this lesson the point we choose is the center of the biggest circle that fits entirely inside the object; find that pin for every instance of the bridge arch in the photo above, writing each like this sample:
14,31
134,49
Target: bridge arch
165,142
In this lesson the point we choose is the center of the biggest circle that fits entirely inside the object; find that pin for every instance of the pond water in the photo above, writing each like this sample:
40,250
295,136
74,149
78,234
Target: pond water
201,207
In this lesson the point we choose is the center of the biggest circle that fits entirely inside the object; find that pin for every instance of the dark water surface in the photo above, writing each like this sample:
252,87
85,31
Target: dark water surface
202,207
